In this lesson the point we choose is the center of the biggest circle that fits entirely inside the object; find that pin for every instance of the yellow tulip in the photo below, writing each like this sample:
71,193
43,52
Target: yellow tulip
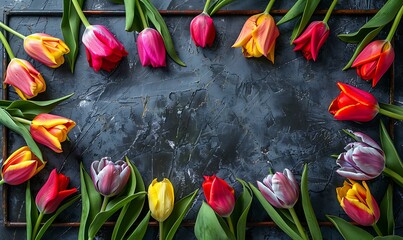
161,199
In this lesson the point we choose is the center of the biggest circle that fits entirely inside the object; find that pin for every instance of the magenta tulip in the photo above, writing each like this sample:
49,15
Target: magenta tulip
202,30
151,48
312,39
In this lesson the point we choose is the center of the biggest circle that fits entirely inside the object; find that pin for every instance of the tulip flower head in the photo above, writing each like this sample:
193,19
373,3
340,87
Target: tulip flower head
109,178
219,195
280,189
374,60
51,130
20,166
25,79
358,203
354,104
312,39
161,199
53,192
151,48
103,50
363,160
202,30
46,49
258,36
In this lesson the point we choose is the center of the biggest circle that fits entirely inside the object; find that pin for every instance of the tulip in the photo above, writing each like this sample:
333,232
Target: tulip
20,166
354,104
25,79
280,189
219,195
103,50
46,49
364,159
202,30
51,130
151,48
161,199
258,36
109,178
53,192
358,203
312,39
374,60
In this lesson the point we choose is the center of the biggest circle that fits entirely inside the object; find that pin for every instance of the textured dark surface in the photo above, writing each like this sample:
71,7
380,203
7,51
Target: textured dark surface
222,114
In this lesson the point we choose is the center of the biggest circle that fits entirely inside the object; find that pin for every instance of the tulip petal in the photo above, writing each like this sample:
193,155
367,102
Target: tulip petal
222,199
357,112
42,136
358,212
265,34
367,140
50,120
357,94
48,192
269,195
246,32
21,172
385,61
369,53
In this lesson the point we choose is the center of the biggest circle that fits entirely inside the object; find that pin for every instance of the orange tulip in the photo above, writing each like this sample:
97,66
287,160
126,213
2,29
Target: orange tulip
258,36
51,130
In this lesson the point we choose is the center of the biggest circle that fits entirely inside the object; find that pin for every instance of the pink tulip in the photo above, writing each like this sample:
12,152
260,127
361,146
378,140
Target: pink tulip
151,48
312,39
202,30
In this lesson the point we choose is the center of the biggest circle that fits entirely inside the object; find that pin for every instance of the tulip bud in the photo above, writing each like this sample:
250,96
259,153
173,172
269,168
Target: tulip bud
151,48
312,39
109,178
46,49
53,192
202,30
25,79
51,130
161,199
219,195
280,190
20,166
358,203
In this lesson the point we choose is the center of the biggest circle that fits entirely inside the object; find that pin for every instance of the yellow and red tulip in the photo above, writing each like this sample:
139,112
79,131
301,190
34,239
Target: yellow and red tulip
46,49
219,195
51,130
20,166
312,39
25,79
161,199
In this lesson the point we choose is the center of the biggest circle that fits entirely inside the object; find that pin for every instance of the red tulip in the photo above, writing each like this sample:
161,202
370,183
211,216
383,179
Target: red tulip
219,195
151,48
202,30
103,50
53,192
374,60
312,39
354,104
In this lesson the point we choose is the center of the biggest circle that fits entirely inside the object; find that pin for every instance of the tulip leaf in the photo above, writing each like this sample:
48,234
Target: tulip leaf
284,224
101,217
31,211
211,226
392,159
217,5
349,231
390,237
141,229
310,216
386,222
295,11
241,210
47,224
159,23
70,26
306,16
130,6
172,223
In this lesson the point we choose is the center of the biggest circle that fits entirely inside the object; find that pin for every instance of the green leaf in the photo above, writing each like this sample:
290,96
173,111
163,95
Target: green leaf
141,229
101,217
390,237
217,6
47,224
31,211
295,11
130,7
159,23
275,216
172,223
306,16
349,231
70,26
310,216
208,226
392,159
241,209
386,222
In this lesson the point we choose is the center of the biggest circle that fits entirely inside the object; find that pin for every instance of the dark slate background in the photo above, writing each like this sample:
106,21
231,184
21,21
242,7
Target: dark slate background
222,114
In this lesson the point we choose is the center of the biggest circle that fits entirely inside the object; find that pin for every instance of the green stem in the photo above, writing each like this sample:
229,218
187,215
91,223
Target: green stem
141,13
6,45
390,114
230,224
81,14
161,228
394,175
298,223
37,224
329,11
22,120
2,182
206,6
267,10
349,133
104,203
395,24
11,30
377,230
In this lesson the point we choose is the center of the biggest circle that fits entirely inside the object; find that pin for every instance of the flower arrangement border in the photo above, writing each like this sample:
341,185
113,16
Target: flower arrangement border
15,13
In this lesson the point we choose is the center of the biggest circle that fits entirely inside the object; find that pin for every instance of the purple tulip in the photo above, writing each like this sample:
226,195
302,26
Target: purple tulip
280,189
109,178
363,160
151,48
